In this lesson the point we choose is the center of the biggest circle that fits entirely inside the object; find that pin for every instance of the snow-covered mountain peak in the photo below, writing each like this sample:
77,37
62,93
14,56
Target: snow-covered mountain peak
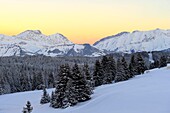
110,37
30,32
31,35
33,42
59,38
153,40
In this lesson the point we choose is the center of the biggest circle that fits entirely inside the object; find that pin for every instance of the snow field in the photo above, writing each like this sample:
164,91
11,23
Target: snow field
147,93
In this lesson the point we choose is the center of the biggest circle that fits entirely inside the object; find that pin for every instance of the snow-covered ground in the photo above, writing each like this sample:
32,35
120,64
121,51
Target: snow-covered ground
148,93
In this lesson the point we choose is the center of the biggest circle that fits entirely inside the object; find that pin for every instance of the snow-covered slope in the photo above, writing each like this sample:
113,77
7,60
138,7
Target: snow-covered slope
154,40
33,42
148,93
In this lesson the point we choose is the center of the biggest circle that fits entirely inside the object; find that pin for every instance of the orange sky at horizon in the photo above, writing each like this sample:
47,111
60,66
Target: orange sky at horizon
83,21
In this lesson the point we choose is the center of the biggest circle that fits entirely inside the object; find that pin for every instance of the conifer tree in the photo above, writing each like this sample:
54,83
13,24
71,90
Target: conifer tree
163,61
132,67
60,99
2,83
1,90
156,64
151,66
45,97
120,74
126,69
71,93
88,77
37,81
81,89
28,108
107,72
140,64
51,80
98,74
112,66
52,99
24,82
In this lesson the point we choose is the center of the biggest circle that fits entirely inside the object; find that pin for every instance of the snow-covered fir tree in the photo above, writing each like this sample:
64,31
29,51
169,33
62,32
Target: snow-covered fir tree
60,99
52,98
112,66
140,64
1,90
37,81
126,69
120,74
133,66
155,64
28,108
98,74
45,97
51,80
24,81
107,71
71,93
163,61
71,88
2,85
81,88
88,76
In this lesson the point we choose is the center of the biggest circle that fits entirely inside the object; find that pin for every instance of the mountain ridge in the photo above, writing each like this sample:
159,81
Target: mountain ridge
33,42
137,41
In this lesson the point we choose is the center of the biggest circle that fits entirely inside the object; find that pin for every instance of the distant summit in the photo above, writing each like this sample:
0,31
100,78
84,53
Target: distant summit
137,41
33,42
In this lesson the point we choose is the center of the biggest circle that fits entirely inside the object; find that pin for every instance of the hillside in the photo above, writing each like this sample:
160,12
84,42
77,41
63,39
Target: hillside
148,93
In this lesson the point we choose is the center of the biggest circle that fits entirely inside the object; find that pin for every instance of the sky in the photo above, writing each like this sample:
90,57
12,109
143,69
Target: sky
83,21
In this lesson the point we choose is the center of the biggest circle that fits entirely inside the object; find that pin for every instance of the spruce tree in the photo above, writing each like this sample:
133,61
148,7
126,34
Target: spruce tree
87,76
1,90
51,80
156,64
151,66
133,67
40,83
98,74
60,97
163,61
120,74
126,69
71,93
45,97
112,66
28,108
140,64
107,72
37,81
24,82
52,99
81,89
2,84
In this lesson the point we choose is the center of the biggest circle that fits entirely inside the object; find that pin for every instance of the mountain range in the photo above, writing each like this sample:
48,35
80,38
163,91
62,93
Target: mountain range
33,42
